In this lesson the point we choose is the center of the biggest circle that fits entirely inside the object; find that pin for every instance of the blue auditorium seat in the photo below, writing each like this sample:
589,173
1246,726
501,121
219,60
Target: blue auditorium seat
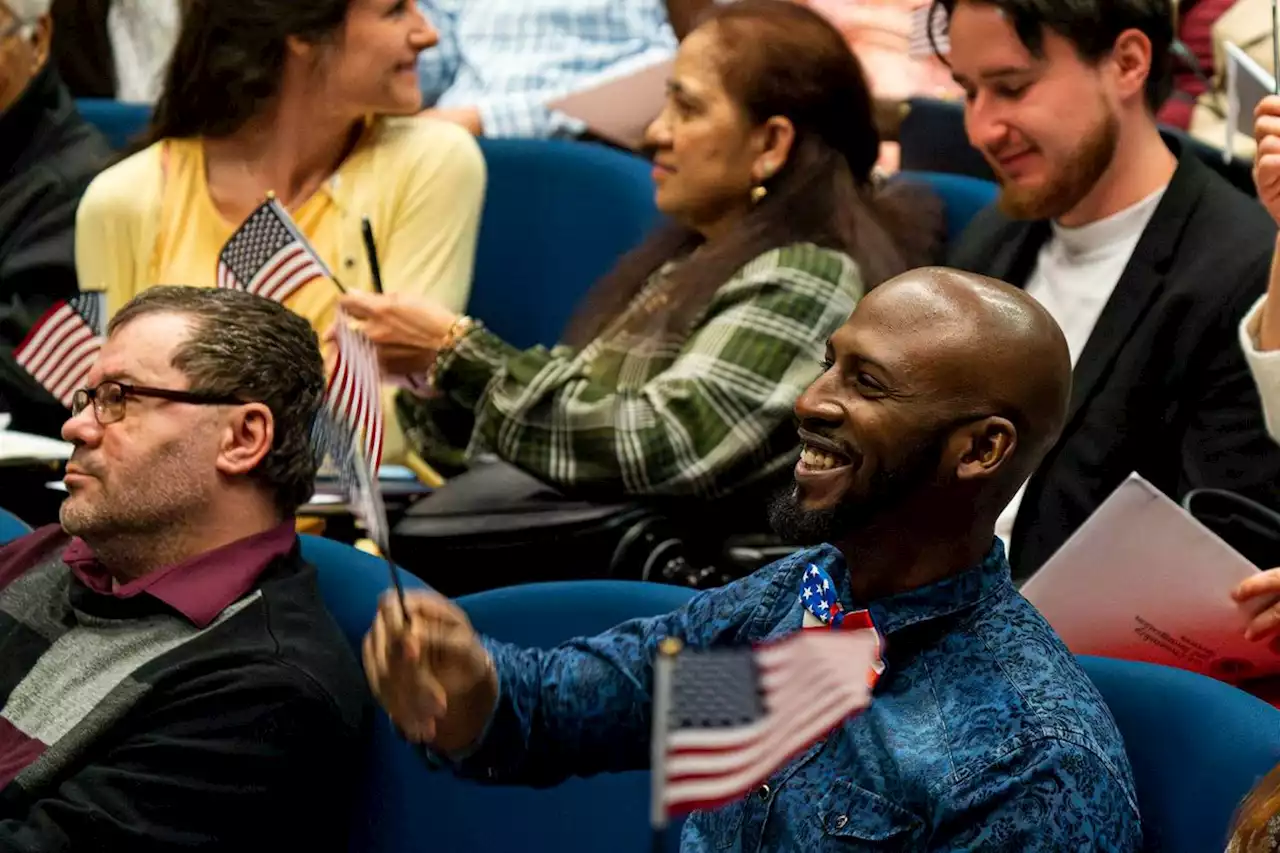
119,122
962,196
603,813
557,216
1196,745
11,527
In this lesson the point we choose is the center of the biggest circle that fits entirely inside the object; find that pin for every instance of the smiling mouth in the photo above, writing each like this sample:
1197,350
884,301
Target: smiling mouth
822,459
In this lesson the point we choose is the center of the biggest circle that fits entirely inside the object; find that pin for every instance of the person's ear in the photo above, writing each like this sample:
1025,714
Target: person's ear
980,449
247,437
776,136
42,40
1131,60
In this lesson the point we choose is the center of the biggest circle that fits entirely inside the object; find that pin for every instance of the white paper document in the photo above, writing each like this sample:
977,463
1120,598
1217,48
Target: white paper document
1143,580
21,447
620,108
1247,84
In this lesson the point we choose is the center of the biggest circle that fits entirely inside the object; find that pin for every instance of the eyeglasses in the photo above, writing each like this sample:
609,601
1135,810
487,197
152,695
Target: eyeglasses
109,397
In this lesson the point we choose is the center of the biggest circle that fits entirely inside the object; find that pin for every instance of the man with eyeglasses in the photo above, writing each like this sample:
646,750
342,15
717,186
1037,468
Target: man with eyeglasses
169,676
48,155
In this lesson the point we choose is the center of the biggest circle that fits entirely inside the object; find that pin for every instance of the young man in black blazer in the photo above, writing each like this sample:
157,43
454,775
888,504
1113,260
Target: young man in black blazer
1145,257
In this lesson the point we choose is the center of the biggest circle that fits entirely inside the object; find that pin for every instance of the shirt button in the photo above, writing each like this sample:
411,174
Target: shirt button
763,792
842,821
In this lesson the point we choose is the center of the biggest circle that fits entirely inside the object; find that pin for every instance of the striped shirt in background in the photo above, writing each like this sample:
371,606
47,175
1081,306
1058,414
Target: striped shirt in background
704,413
508,58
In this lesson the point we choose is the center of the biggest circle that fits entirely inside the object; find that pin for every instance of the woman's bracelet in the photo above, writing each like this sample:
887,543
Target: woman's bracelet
458,330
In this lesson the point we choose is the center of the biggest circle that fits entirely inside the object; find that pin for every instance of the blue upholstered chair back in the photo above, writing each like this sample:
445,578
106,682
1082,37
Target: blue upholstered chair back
1196,745
557,216
11,527
603,813
408,807
119,122
396,813
962,196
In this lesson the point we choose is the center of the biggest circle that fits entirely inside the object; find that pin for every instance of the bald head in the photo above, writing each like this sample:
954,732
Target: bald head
943,392
978,347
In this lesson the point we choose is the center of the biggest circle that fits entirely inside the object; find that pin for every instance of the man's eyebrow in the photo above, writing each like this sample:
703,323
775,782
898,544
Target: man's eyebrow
120,376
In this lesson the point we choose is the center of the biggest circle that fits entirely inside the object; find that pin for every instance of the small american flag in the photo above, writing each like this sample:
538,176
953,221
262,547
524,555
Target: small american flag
269,256
63,345
725,719
930,15
338,448
354,392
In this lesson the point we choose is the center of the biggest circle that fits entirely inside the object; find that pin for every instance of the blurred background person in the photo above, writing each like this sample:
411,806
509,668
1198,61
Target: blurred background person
678,375
48,155
889,39
303,100
115,49
500,61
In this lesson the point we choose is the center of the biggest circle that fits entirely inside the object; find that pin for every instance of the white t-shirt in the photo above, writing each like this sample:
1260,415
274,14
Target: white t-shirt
1076,271
143,34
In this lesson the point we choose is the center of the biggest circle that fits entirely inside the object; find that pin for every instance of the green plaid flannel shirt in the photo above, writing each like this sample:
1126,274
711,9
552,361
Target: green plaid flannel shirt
700,414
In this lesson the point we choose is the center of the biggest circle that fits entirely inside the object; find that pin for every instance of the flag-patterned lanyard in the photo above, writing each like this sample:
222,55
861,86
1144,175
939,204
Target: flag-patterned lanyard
822,610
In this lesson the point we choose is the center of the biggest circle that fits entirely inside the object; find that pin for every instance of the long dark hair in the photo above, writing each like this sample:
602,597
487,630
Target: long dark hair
778,58
229,62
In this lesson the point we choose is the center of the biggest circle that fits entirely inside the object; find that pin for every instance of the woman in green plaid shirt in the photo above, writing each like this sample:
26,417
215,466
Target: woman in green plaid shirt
679,374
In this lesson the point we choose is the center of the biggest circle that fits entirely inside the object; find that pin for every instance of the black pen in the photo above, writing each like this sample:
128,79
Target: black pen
371,251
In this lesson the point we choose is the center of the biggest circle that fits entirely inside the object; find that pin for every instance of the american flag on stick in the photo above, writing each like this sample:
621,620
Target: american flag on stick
63,345
340,449
269,256
354,389
725,719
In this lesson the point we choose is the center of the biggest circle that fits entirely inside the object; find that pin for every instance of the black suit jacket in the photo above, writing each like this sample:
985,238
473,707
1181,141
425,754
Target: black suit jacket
1161,387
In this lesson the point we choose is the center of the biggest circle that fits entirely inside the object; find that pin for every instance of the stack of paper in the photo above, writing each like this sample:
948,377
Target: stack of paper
1143,580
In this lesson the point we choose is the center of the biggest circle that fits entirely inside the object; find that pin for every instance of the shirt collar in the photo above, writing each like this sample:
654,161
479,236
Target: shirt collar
199,588
945,597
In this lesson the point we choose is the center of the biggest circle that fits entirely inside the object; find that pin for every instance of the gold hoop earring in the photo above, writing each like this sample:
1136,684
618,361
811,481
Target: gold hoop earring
758,193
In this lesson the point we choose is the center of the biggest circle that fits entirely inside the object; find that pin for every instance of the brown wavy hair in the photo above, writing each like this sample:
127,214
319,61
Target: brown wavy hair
777,58
1250,833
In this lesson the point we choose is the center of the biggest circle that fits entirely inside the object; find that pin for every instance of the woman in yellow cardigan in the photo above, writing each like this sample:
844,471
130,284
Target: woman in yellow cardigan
313,101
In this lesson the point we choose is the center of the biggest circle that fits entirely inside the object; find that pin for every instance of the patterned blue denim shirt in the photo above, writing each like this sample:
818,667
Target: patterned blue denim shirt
984,732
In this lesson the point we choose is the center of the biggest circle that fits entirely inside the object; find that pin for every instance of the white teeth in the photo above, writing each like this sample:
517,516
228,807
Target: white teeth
818,460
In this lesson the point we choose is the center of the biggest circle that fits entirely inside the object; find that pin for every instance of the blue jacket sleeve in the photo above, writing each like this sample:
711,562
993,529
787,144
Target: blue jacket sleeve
1046,795
584,707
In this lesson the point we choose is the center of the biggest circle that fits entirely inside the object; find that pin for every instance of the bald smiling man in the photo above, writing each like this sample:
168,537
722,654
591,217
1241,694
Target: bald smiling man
942,393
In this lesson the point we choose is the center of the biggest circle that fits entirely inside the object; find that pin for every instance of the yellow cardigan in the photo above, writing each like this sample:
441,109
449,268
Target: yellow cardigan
149,220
